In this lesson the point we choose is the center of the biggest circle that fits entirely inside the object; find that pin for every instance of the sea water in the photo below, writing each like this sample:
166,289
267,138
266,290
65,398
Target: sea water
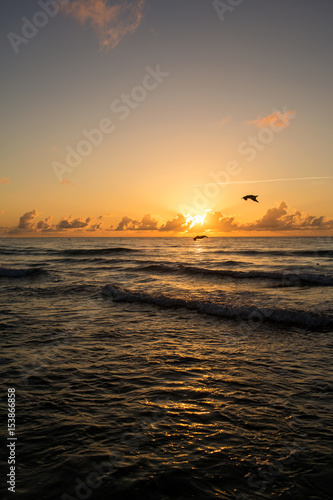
167,368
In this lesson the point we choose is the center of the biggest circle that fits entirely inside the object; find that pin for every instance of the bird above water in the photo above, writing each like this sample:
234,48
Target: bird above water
252,197
200,237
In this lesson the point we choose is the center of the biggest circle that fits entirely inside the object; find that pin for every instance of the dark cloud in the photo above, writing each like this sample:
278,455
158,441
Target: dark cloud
147,223
98,226
25,224
178,224
124,224
273,218
280,218
74,224
44,225
25,221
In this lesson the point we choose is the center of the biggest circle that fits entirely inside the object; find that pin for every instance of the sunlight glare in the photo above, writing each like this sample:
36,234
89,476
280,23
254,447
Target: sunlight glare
194,219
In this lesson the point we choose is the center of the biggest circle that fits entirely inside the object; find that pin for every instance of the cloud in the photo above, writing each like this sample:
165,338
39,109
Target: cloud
44,225
25,221
273,218
2,212
178,224
224,120
276,120
95,227
74,224
111,22
147,223
4,180
214,221
124,224
66,181
281,218
98,226
218,221
25,224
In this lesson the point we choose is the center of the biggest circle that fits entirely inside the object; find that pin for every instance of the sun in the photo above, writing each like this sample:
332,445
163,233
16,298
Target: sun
192,220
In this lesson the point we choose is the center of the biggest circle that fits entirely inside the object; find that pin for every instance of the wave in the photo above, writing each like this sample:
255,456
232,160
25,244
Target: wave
20,251
99,261
285,253
6,272
302,319
285,279
234,263
97,251
68,251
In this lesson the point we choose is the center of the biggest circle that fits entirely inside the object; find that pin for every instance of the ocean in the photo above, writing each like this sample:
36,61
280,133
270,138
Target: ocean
167,368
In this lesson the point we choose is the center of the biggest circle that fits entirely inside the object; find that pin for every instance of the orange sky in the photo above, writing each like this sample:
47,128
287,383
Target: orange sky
146,110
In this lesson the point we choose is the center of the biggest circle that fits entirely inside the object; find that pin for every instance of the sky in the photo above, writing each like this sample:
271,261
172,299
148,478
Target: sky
155,118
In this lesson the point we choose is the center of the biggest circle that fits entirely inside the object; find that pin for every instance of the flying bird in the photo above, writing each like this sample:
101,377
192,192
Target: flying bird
200,237
252,197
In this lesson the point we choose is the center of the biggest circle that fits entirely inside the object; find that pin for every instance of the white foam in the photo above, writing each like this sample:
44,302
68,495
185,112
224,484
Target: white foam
302,319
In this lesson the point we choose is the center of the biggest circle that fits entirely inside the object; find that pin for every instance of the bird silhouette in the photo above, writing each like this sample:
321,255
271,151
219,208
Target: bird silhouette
200,237
252,197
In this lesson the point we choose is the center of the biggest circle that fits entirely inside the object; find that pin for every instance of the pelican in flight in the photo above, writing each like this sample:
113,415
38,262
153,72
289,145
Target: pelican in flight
252,197
200,237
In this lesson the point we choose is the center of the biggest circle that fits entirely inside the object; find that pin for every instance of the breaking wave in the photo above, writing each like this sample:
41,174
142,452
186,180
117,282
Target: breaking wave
285,279
302,319
285,253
